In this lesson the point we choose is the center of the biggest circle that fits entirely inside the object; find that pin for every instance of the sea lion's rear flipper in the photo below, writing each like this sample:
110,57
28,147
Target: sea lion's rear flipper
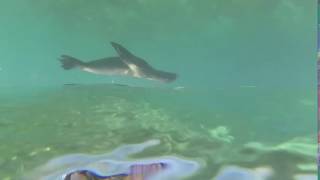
68,62
127,57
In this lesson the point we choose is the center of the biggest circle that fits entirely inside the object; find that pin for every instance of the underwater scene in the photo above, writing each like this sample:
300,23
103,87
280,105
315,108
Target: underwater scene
158,90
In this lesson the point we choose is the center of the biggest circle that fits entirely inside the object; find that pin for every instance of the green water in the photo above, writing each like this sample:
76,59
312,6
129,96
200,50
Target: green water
247,68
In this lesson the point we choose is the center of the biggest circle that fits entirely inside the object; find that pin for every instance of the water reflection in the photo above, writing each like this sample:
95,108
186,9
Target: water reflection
116,164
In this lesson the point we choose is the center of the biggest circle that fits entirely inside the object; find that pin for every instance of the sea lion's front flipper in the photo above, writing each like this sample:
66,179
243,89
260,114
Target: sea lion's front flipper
127,57
123,52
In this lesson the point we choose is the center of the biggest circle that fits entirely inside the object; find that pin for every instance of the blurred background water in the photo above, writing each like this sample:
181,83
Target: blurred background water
248,72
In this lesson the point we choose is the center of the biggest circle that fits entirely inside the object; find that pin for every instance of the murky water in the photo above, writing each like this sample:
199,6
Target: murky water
244,103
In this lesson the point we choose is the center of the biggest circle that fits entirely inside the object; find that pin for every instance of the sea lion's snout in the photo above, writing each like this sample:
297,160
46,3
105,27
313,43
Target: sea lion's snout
173,77
170,77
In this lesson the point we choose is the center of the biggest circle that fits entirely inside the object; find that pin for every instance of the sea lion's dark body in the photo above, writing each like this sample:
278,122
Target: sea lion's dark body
126,64
106,66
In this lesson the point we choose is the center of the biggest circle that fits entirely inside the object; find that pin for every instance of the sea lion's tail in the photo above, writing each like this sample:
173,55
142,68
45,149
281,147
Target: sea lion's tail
69,62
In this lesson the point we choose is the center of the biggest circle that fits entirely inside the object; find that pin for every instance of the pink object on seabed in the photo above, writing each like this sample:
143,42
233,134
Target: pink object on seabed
116,165
137,172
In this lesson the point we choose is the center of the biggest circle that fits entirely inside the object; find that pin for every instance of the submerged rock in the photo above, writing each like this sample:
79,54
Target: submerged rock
221,133
287,159
239,173
305,177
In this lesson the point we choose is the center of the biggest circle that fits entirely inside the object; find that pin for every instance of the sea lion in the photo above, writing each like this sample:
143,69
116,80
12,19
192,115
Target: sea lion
126,64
